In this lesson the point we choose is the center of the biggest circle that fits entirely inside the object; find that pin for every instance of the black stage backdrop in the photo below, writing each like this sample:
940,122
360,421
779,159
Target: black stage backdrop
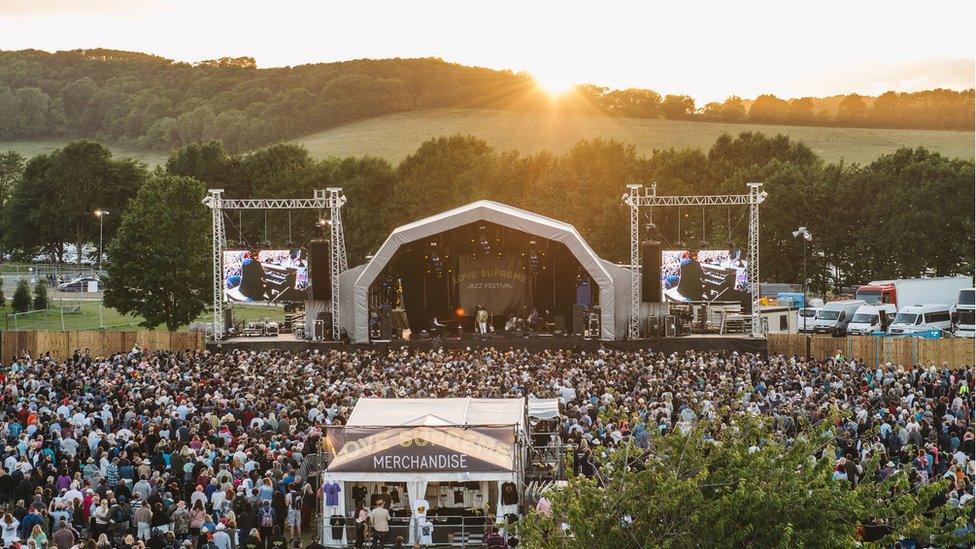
497,282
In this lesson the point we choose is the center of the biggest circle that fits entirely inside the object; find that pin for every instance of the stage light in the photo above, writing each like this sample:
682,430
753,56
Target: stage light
459,311
483,241
533,255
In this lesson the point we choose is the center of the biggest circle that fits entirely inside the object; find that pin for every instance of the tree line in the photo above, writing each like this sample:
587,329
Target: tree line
907,214
155,103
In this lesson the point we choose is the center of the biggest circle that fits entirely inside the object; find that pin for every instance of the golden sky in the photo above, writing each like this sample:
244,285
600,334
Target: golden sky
706,49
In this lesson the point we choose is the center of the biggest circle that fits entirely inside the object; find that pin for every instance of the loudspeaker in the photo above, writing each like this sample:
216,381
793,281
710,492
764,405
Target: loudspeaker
594,322
579,319
386,323
650,273
318,266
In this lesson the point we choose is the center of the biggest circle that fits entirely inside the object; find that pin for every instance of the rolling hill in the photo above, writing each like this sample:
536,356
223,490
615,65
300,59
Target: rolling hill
395,136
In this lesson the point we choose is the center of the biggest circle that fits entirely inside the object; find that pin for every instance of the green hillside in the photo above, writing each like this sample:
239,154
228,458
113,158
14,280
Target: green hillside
395,136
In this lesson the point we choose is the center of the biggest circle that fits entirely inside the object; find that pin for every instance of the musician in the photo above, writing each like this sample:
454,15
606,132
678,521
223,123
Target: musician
481,317
511,324
438,326
252,277
534,320
691,286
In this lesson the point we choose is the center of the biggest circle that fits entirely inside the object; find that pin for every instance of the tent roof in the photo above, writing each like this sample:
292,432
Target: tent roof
494,212
543,408
394,412
437,219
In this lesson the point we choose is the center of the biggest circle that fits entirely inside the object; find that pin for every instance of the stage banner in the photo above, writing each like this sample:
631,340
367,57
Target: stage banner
431,449
500,284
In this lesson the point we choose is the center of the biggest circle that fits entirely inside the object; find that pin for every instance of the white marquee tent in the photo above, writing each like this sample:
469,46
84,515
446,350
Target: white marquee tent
441,413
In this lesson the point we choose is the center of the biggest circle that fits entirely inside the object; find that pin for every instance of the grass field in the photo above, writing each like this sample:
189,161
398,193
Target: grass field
33,148
87,318
395,136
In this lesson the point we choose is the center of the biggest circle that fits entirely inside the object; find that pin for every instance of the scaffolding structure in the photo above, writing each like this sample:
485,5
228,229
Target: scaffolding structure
330,199
638,196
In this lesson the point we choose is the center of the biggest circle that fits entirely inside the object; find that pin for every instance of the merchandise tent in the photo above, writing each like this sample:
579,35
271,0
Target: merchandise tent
468,448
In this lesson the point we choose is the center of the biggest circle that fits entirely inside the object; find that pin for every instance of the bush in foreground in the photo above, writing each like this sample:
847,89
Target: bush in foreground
748,489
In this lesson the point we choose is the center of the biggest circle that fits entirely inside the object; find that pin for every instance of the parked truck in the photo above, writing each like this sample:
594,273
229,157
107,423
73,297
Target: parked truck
964,315
914,291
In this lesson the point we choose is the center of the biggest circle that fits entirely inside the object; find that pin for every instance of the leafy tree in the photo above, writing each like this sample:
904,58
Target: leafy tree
40,294
3,298
677,107
22,297
852,111
160,266
768,109
746,490
11,170
68,185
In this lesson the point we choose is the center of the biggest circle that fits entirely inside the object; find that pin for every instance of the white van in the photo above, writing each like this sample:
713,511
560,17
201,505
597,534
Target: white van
920,318
805,318
834,317
867,319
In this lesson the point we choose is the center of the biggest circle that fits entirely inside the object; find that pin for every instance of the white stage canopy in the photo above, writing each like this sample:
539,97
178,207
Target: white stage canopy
354,284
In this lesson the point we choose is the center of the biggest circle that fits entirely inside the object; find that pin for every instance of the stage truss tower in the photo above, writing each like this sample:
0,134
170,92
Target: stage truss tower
638,196
330,199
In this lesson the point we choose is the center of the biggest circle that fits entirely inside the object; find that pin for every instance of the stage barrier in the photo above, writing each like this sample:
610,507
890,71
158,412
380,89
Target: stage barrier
906,351
98,342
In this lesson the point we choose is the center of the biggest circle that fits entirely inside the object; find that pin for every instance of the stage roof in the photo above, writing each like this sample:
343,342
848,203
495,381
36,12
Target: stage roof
354,290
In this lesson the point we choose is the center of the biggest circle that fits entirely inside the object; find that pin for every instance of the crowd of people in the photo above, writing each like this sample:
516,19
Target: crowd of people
204,449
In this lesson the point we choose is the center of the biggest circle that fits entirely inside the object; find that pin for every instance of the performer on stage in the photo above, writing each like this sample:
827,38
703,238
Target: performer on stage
437,326
481,317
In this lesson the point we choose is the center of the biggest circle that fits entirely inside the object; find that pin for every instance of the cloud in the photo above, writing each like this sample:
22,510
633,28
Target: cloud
925,74
26,8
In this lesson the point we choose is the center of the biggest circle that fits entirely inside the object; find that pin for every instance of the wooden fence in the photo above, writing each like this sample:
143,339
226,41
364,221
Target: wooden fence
905,351
98,342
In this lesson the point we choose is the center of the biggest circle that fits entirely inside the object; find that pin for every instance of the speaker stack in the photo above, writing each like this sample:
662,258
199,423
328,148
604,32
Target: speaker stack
651,272
579,319
319,273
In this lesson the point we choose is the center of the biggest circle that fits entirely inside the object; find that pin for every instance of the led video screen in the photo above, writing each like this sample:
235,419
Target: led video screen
704,276
273,276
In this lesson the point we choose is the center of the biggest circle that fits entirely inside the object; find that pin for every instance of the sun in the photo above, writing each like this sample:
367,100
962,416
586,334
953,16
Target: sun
554,83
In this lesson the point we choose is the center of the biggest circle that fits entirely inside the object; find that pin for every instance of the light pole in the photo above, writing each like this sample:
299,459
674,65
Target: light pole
100,214
805,235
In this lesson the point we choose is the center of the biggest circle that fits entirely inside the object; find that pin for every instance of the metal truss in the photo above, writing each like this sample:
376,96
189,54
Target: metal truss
215,202
331,199
337,253
638,196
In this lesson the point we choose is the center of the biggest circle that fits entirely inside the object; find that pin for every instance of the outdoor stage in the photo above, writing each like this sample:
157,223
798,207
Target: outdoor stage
742,344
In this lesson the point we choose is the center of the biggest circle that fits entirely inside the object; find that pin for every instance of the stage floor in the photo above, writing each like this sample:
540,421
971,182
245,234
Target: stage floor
740,343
